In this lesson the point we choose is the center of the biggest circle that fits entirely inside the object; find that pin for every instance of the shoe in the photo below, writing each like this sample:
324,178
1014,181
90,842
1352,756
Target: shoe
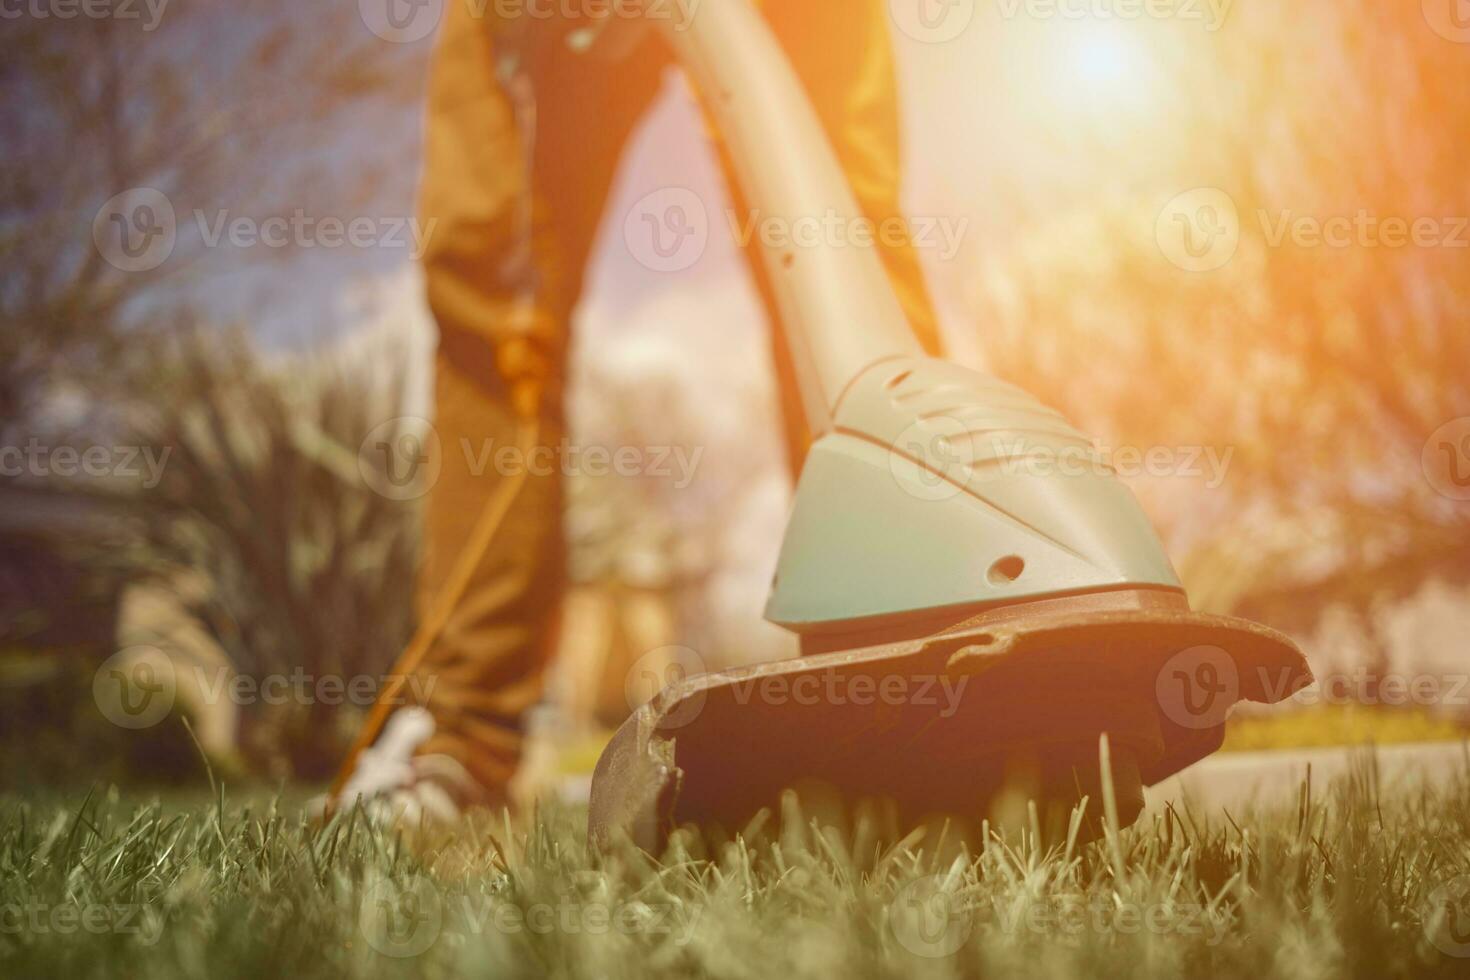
394,784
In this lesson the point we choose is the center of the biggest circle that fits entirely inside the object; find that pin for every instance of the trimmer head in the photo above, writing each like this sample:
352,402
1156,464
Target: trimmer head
971,584
960,610
935,724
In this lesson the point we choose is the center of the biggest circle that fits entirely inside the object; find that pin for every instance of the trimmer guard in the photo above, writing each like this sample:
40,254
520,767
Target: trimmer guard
930,723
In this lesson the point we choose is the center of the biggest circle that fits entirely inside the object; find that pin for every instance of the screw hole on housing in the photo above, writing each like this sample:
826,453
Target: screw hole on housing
1006,570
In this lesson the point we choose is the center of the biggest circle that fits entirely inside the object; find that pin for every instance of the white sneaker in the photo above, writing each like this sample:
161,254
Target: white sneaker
397,786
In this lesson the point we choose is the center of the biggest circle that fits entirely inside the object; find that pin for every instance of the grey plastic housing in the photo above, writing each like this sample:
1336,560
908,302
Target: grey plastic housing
940,487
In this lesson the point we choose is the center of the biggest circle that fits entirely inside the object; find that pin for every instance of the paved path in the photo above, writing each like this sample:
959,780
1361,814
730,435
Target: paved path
1234,779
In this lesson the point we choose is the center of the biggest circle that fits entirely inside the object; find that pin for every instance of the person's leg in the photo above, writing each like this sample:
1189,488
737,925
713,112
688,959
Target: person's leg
504,268
515,179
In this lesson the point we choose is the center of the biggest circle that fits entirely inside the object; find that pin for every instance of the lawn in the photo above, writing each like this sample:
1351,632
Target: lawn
1341,884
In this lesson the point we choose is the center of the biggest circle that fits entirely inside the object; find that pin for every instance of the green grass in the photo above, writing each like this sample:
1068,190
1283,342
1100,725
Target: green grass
1342,884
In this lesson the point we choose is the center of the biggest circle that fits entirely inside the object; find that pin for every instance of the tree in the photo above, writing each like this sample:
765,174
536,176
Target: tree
1325,369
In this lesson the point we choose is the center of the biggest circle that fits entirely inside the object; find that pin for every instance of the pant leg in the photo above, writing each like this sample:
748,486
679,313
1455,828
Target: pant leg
515,180
504,269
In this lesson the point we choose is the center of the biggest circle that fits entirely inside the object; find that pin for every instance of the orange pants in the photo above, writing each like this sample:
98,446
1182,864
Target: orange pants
504,267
